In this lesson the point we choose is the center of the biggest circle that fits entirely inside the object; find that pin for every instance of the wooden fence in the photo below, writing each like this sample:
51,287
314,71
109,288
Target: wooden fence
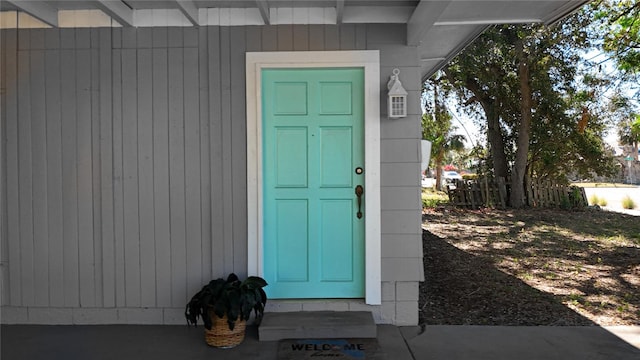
494,192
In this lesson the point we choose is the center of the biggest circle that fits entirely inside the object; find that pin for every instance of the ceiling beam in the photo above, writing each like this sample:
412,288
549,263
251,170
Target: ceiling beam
377,14
461,45
563,11
423,18
339,11
37,9
189,10
263,6
488,21
118,11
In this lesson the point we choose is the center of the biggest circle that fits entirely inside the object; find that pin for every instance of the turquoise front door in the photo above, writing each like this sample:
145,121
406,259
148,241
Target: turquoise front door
313,161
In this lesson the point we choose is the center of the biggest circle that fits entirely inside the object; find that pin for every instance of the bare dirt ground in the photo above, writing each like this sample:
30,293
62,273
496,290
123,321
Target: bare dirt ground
530,267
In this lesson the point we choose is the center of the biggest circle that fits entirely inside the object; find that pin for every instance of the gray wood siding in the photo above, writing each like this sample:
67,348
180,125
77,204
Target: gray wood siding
4,249
124,159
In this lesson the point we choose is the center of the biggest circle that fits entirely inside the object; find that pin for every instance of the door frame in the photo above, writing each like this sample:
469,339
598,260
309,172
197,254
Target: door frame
369,60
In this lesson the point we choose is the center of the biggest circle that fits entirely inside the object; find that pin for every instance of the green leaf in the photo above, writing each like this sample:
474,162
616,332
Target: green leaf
232,277
229,297
263,296
253,282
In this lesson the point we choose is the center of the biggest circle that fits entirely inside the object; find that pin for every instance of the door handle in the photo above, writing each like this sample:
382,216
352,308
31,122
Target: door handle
359,192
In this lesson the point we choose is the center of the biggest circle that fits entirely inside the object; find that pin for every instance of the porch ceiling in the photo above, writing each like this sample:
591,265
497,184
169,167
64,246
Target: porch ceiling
440,28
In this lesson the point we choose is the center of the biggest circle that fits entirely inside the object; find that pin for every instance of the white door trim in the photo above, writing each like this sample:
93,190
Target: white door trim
369,60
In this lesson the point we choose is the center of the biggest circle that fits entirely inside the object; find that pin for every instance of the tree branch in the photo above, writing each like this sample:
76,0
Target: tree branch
625,13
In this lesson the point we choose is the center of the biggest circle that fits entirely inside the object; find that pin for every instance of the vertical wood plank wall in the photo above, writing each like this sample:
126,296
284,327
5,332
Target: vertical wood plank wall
124,167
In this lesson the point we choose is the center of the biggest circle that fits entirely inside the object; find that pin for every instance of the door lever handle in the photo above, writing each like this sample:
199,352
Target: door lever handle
359,192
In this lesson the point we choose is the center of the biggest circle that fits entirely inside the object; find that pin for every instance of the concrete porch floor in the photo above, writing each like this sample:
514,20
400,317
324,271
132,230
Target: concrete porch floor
129,342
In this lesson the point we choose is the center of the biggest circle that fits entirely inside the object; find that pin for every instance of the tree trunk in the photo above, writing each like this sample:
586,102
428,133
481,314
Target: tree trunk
495,138
522,152
494,132
438,163
440,152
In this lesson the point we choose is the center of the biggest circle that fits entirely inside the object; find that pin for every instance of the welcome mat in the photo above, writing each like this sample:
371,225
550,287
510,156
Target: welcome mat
329,349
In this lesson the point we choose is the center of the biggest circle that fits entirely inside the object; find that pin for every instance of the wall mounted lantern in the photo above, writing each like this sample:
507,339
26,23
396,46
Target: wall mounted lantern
397,101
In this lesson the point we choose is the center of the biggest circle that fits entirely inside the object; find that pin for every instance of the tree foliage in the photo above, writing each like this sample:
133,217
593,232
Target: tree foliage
437,127
616,32
629,132
540,121
619,20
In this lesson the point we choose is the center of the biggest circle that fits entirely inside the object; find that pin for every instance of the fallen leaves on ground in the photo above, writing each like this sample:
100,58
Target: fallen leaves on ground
530,267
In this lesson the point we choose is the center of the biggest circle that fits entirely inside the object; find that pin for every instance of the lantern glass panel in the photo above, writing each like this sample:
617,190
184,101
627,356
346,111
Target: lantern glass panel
397,106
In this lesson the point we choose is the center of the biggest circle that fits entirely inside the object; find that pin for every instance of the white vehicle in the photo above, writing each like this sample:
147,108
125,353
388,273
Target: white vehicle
450,178
428,182
452,175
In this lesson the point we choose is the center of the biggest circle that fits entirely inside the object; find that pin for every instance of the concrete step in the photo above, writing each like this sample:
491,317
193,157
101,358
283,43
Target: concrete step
317,325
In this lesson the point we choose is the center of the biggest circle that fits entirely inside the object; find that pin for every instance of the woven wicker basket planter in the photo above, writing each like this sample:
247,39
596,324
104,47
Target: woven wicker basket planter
220,336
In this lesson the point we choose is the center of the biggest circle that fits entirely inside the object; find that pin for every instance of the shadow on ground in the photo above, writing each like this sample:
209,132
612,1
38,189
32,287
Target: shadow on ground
588,260
463,289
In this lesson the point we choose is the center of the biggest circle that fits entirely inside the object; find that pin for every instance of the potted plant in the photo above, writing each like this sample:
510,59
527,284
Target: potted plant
225,307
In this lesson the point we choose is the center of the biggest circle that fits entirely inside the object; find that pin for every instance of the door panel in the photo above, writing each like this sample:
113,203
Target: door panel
291,236
337,252
291,166
335,98
312,143
290,98
336,158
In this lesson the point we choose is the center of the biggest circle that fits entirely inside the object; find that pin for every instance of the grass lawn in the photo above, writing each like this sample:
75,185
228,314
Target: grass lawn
432,198
612,185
